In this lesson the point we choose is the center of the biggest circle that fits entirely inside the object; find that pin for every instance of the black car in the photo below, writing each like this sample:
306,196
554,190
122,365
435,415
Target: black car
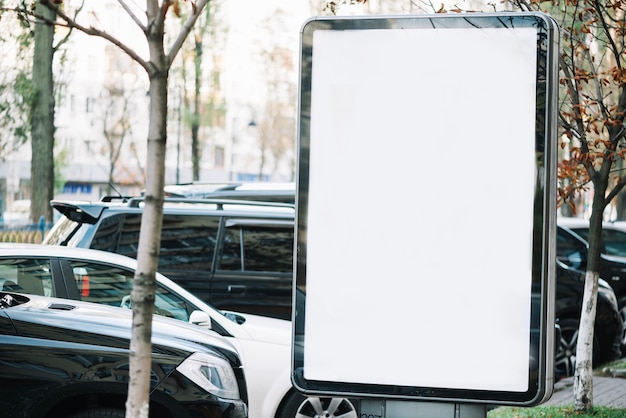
572,247
264,344
240,253
609,325
69,359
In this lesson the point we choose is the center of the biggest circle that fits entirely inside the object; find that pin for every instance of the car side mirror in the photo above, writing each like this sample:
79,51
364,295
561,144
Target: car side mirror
200,318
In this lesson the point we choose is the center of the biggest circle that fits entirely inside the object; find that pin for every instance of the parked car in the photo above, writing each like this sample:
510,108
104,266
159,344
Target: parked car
612,257
609,324
61,358
240,252
264,344
268,228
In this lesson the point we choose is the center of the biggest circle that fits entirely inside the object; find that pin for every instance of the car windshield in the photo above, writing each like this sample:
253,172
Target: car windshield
613,241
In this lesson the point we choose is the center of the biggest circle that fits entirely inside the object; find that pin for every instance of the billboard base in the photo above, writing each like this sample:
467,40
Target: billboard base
408,409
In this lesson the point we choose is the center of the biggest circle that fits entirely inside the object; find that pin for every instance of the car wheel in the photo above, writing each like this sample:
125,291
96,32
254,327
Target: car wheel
300,406
100,413
565,359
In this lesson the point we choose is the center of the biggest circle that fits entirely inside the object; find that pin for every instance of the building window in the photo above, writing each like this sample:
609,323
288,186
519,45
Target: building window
89,105
219,156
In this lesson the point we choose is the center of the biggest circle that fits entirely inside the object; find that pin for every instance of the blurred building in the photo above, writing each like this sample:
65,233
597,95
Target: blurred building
248,99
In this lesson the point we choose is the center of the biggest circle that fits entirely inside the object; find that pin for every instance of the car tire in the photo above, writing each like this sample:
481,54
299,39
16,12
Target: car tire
565,358
100,413
298,405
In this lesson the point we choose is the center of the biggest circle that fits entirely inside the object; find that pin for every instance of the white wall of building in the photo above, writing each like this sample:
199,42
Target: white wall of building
90,63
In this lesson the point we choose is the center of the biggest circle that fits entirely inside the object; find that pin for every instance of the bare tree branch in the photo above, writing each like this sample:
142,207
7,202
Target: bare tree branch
70,23
69,32
184,32
132,15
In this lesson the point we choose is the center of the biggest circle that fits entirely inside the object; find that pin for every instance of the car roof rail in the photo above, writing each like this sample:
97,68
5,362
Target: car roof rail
220,203
283,192
122,199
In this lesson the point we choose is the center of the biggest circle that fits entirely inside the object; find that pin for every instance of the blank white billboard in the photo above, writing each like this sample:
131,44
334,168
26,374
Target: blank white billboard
418,179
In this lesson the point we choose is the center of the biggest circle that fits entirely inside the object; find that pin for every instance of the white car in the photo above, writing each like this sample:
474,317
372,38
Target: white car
264,344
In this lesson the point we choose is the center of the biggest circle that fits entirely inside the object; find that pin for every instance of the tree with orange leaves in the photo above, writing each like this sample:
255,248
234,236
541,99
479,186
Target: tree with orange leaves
592,107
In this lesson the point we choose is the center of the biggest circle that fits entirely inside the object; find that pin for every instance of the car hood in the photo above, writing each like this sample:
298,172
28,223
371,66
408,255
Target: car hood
80,322
264,329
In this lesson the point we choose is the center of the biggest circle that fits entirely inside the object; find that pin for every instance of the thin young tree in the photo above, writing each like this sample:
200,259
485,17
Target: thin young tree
591,114
151,23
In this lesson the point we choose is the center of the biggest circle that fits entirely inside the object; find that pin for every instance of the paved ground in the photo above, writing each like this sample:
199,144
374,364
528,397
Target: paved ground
607,391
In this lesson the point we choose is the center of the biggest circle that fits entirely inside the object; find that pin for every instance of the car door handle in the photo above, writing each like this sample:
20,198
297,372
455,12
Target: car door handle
239,289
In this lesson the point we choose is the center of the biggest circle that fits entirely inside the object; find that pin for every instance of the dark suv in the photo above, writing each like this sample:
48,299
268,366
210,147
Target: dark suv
234,254
61,358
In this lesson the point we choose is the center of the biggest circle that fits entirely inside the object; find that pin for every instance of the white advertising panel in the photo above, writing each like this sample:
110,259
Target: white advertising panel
424,207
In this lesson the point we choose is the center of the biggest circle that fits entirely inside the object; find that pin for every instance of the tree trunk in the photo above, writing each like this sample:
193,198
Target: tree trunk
42,120
620,200
137,404
583,378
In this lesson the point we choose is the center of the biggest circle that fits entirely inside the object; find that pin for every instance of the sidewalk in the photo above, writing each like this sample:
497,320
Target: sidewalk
607,391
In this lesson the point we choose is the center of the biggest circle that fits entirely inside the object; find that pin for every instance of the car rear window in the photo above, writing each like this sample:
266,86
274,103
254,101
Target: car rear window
187,242
62,232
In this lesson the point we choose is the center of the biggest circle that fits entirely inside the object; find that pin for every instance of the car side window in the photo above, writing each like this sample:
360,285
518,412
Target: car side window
614,242
23,275
112,285
257,248
188,242
102,283
570,250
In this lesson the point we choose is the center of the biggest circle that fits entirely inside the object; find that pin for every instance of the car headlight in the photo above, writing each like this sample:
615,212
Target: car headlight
211,373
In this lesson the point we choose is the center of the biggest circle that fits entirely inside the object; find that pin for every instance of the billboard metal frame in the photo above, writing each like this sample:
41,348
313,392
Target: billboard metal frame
336,148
